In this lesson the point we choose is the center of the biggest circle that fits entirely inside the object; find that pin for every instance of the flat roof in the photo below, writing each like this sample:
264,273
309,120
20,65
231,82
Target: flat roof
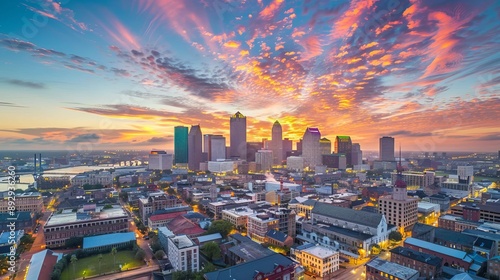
73,217
210,237
240,211
393,269
182,241
320,251
107,239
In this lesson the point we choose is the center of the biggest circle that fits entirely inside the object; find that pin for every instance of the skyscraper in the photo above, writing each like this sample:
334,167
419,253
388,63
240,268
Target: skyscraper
252,148
277,143
195,147
311,151
386,148
287,147
217,147
238,136
180,144
325,145
343,145
356,154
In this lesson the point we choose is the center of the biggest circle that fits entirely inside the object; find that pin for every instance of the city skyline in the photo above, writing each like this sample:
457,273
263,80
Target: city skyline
107,75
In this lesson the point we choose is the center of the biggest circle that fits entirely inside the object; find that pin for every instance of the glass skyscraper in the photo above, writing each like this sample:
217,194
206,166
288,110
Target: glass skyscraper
180,144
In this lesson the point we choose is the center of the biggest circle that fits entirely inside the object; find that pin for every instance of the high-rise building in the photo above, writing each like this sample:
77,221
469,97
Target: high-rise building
465,174
238,136
325,145
207,142
343,145
180,144
386,148
311,151
356,154
252,148
287,147
217,147
195,147
277,143
399,209
265,159
160,160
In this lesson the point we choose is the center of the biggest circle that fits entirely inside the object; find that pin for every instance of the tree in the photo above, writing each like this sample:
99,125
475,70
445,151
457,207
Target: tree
211,250
395,236
73,262
140,254
220,226
99,257
159,254
170,191
74,242
113,252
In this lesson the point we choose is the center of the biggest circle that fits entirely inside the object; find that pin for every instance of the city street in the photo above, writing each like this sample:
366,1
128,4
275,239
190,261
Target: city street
38,245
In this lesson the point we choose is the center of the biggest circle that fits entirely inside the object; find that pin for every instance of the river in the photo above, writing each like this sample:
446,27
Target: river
26,179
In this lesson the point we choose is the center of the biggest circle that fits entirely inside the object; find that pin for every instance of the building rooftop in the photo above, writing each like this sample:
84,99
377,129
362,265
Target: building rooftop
320,251
393,269
248,270
250,250
73,217
107,239
347,214
418,256
209,237
165,216
180,225
346,231
4,236
438,248
41,264
277,235
182,241
240,211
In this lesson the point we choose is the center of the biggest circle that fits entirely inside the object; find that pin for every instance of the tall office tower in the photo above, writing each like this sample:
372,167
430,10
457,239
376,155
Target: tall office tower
325,145
277,143
399,209
343,145
265,159
386,148
238,136
180,144
217,147
160,160
299,147
195,147
252,148
207,148
287,147
266,143
311,151
356,154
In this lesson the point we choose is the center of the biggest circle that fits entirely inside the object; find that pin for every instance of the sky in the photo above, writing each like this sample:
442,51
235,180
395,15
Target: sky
102,74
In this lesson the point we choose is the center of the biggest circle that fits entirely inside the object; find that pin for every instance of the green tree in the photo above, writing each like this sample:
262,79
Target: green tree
113,252
140,254
211,250
73,262
395,236
170,191
220,226
99,258
159,254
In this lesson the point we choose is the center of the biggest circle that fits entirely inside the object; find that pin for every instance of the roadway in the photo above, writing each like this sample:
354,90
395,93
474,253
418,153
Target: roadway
38,245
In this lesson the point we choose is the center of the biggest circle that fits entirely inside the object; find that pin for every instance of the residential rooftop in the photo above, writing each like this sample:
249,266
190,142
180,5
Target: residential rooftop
182,241
320,251
438,248
417,256
393,269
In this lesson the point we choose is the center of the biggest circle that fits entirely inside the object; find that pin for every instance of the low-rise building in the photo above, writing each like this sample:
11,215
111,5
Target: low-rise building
161,220
25,202
427,265
106,242
259,224
451,257
104,178
318,260
278,238
61,227
42,264
275,266
183,253
493,267
238,217
378,269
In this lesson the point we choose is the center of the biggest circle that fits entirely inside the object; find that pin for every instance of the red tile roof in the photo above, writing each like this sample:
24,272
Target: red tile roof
166,216
181,225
